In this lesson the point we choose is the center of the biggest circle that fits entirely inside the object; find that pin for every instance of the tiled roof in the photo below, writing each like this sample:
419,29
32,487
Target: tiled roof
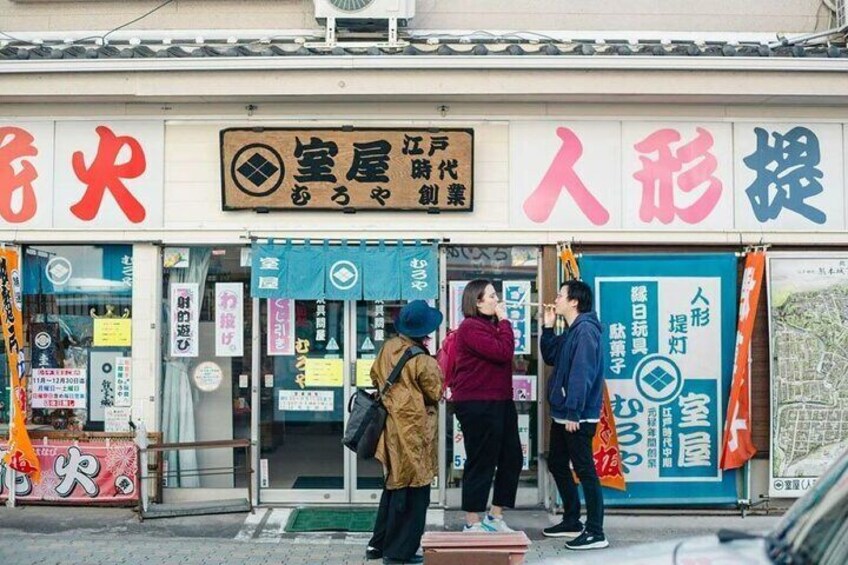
19,51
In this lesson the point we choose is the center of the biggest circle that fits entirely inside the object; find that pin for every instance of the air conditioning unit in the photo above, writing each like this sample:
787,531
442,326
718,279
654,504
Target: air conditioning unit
841,13
364,9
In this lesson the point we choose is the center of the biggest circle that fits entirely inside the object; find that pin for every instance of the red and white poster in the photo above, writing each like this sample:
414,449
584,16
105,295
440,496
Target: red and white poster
80,473
280,326
59,388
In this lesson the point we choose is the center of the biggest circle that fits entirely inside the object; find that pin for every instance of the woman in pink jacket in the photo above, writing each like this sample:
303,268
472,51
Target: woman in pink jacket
482,399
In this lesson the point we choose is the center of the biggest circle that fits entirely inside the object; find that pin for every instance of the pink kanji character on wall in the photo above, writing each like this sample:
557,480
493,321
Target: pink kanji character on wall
662,175
540,203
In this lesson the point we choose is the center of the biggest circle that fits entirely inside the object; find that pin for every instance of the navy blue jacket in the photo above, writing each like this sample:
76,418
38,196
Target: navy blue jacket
576,388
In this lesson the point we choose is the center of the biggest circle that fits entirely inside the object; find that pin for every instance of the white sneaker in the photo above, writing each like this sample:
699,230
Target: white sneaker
475,528
495,524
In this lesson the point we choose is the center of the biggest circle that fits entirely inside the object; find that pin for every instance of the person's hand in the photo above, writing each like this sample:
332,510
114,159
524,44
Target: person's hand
549,315
500,310
571,426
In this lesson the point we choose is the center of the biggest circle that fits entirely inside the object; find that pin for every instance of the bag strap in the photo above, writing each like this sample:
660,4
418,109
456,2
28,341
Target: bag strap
411,352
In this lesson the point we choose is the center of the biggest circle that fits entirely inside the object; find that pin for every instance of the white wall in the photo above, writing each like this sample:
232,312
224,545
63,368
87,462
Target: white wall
661,15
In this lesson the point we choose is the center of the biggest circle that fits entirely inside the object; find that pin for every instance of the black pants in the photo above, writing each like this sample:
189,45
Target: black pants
490,429
576,447
400,521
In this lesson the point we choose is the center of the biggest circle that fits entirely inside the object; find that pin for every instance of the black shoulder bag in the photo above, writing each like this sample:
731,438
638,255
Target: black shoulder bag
368,415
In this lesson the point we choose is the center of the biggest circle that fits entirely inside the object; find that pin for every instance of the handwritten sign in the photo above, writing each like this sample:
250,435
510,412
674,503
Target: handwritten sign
112,332
324,372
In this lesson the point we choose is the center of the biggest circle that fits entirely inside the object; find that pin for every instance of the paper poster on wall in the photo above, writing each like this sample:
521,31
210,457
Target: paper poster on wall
459,454
524,388
668,366
516,294
208,376
112,332
363,373
123,381
185,315
455,290
280,336
324,372
306,400
807,293
176,257
117,419
229,319
58,388
102,365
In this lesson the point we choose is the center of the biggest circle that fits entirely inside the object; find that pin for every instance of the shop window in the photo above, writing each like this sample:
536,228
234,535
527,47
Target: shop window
206,328
77,313
513,271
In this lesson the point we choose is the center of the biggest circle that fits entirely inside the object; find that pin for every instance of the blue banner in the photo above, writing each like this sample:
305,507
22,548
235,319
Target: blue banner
333,272
668,344
343,269
268,271
381,266
305,272
419,272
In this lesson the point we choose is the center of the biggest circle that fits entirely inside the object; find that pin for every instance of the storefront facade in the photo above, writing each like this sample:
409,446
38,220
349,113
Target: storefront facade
138,217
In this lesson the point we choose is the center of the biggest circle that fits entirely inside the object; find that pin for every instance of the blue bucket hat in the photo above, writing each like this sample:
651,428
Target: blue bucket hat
418,319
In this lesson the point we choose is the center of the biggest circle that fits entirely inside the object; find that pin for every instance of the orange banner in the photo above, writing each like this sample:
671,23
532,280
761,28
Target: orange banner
605,448
21,456
737,447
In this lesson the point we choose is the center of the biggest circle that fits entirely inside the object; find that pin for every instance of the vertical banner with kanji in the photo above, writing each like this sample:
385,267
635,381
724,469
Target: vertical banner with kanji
280,334
20,455
185,316
668,366
737,446
605,448
229,319
517,297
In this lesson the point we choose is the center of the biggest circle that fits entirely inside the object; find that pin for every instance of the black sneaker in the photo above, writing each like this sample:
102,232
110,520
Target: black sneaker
587,540
563,530
373,553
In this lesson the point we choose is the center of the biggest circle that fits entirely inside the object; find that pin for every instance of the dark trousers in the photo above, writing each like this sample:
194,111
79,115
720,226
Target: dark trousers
576,448
490,429
400,521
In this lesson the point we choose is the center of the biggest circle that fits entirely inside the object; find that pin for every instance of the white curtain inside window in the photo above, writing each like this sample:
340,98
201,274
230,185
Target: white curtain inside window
178,396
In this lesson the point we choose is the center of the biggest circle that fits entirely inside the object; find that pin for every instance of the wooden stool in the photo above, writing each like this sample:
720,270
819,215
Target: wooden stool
459,548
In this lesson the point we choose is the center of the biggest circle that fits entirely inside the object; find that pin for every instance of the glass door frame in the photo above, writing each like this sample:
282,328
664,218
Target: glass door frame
451,498
350,494
267,495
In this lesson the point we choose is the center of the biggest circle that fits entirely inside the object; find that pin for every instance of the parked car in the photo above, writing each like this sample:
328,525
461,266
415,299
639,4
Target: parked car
813,531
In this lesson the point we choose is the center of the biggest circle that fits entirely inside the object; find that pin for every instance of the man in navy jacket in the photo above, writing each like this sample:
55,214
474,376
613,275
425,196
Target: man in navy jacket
575,395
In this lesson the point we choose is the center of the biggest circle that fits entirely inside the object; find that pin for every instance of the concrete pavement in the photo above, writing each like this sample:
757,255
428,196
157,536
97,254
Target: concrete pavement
38,534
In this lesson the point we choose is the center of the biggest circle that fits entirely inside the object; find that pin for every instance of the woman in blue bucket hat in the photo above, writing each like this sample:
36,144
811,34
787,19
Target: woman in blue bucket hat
408,448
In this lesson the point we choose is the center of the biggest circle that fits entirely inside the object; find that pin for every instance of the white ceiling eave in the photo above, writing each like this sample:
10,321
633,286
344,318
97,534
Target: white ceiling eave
430,63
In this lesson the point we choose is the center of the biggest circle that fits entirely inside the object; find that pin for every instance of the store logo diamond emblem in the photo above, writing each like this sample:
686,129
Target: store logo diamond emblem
343,275
58,271
257,169
658,379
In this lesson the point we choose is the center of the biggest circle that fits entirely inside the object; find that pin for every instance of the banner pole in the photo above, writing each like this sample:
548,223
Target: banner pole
10,501
746,485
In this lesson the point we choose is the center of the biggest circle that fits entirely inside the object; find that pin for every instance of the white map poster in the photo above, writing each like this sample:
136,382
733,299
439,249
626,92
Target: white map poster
808,313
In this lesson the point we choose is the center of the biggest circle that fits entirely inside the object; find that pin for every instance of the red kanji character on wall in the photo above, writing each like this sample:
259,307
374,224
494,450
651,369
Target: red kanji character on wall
105,172
16,143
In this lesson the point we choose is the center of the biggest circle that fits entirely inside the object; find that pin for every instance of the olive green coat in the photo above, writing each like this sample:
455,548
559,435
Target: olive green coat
408,448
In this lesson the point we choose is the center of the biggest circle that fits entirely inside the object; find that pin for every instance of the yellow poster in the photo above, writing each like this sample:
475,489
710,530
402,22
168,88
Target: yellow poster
324,372
363,373
112,332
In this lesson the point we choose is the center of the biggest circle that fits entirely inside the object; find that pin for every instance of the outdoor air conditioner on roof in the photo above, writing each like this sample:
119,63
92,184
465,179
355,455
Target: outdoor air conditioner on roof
364,9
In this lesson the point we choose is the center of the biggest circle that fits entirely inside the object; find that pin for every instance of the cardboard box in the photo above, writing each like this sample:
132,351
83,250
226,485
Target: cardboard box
458,548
